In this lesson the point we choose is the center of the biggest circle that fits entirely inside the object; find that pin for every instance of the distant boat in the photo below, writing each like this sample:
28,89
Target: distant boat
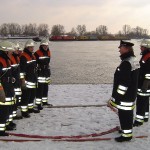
62,38
37,39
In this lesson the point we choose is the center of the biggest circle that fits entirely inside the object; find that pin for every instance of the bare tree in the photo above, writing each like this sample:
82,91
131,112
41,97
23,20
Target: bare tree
126,29
102,30
30,30
81,29
14,29
4,30
72,32
58,30
43,30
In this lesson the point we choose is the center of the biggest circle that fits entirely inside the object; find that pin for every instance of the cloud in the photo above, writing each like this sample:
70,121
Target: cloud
114,14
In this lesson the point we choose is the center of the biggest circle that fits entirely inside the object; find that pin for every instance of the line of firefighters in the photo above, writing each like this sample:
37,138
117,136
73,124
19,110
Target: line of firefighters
24,77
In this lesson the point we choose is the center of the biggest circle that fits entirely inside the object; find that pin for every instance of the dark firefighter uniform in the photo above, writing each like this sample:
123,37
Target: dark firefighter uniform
43,60
143,93
16,75
28,78
6,86
124,92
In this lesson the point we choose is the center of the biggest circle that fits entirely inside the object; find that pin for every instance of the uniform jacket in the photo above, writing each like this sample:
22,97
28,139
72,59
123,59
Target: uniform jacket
144,74
125,82
28,68
6,78
43,60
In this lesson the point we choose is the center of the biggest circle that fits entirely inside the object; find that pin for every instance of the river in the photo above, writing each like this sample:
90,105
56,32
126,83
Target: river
85,62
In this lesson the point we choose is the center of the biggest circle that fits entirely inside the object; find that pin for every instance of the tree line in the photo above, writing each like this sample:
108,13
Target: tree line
32,29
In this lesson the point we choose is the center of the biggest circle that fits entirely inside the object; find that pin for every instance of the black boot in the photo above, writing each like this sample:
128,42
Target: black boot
137,123
120,131
10,128
39,107
122,139
145,119
25,115
17,117
47,104
12,124
3,133
34,111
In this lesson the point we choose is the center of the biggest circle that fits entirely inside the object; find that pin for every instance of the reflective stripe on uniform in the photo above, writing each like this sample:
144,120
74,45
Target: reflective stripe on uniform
38,101
14,113
15,65
4,69
124,105
146,115
42,79
147,93
44,99
17,91
127,133
22,75
139,118
30,84
24,108
122,89
2,127
147,76
30,61
43,57
30,105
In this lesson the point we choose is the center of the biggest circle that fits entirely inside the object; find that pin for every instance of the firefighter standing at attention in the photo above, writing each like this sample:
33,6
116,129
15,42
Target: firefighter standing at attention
15,64
7,94
28,79
43,56
143,93
125,89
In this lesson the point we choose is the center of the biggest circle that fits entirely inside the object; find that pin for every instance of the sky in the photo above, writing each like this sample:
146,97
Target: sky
70,13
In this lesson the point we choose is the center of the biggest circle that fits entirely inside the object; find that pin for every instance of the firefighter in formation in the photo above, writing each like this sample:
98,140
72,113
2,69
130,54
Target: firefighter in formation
143,94
28,72
43,56
125,90
7,93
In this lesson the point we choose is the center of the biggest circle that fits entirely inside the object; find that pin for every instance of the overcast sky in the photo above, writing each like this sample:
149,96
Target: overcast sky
70,13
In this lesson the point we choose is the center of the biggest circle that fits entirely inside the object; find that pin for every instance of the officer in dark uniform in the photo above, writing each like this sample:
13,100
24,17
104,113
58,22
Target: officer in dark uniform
43,56
7,94
143,94
124,90
28,79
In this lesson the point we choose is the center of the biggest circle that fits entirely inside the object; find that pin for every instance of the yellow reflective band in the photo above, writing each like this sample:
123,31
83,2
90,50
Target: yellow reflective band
139,120
122,107
2,129
6,103
126,135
